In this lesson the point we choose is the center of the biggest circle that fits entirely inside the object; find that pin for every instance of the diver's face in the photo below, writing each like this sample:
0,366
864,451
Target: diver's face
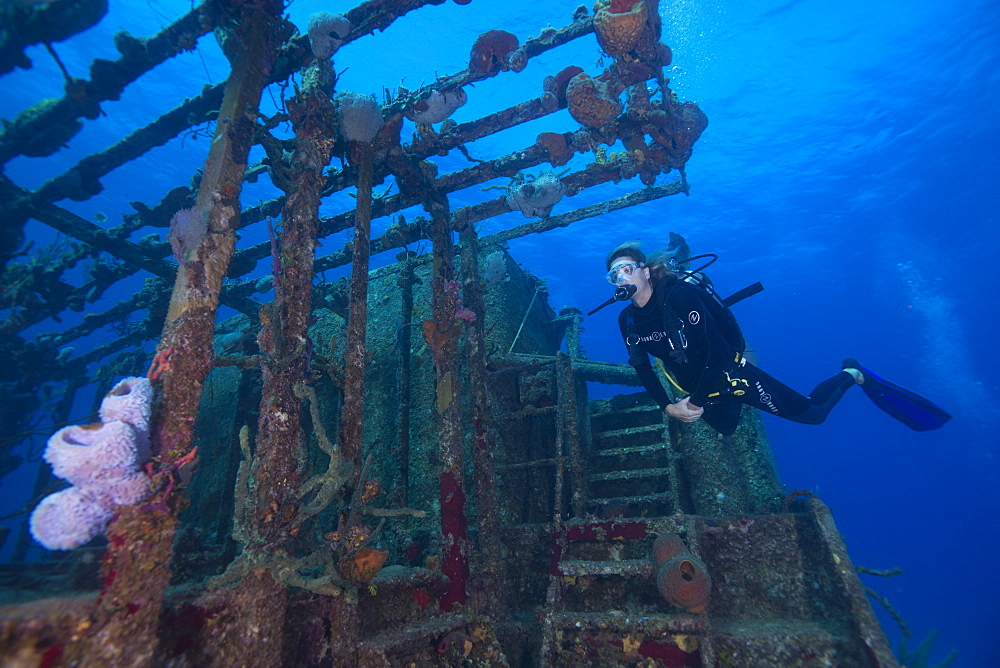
625,271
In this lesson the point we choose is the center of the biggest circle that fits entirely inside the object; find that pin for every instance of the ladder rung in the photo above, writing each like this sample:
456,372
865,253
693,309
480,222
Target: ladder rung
636,567
646,498
628,431
636,474
634,450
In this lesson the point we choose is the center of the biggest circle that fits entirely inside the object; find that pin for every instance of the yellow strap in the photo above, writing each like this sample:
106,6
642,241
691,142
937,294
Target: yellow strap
659,364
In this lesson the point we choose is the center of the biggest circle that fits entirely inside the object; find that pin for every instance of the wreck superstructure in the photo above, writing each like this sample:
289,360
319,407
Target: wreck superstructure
403,467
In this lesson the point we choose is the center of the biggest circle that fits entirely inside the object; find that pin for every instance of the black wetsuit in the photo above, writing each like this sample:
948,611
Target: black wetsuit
704,365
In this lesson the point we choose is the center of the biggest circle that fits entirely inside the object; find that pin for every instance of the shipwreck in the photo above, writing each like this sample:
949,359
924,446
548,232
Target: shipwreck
402,467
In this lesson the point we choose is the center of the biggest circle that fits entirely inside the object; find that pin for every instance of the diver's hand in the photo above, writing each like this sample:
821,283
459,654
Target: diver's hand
684,411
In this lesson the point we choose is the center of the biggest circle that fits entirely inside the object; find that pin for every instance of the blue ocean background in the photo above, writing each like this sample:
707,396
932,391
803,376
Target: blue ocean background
850,164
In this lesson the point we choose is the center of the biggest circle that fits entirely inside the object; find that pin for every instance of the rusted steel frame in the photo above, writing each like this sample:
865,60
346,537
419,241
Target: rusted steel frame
75,300
152,298
109,78
658,627
599,372
592,175
284,335
349,438
83,230
869,630
82,181
502,166
566,391
149,297
400,236
98,354
489,564
404,340
537,463
136,565
598,209
532,46
507,362
442,335
463,133
560,457
572,317
201,107
94,321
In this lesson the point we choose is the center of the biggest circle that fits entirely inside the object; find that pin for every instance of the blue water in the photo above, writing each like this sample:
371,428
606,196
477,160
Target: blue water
849,165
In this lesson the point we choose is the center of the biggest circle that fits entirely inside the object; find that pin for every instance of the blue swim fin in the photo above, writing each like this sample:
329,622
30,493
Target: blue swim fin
908,407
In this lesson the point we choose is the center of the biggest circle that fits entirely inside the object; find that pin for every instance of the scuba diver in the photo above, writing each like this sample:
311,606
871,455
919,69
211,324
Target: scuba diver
677,317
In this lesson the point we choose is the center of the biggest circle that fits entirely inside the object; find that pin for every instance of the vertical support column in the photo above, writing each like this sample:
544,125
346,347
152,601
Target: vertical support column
136,566
350,435
568,415
489,563
404,339
573,318
284,335
441,335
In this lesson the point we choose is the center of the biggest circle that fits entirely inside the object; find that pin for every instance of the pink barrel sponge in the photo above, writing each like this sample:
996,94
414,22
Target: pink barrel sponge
129,401
70,518
93,454
103,461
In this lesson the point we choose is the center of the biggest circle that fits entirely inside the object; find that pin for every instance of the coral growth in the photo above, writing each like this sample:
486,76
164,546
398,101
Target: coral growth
681,577
557,84
95,454
129,401
363,566
187,231
678,129
102,461
437,106
327,32
70,518
489,53
667,547
360,116
535,198
556,146
589,101
684,582
620,25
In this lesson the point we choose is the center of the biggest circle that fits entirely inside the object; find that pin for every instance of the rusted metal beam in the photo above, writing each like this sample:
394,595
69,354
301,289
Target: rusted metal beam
108,80
128,613
284,335
441,335
350,435
486,593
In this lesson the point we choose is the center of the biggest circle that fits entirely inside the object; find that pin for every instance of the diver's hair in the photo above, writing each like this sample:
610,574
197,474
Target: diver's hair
628,249
659,266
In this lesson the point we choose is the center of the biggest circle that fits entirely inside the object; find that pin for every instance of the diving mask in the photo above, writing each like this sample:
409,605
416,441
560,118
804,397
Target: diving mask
623,270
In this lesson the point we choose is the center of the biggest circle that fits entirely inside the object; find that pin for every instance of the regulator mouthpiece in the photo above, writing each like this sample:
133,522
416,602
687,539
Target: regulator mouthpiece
621,294
624,292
